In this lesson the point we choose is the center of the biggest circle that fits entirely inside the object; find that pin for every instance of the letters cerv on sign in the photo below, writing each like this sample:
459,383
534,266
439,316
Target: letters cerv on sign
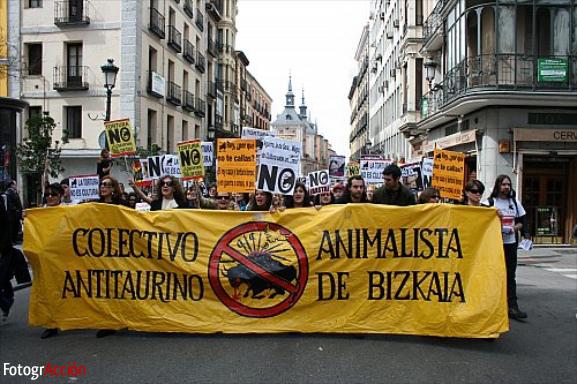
120,138
259,257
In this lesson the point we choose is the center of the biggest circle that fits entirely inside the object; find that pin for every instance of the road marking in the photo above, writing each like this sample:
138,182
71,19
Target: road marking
562,270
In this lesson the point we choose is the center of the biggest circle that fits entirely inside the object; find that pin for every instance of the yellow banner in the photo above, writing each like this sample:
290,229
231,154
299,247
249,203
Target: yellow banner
236,165
424,270
120,138
191,160
449,173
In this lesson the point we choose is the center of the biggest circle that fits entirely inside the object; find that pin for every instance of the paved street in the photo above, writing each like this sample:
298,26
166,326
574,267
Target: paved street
541,350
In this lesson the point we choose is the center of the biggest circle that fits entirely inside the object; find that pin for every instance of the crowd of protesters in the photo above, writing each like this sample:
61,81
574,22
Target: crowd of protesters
168,193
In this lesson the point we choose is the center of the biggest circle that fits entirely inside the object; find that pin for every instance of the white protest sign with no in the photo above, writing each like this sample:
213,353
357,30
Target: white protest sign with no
84,188
163,165
279,165
319,182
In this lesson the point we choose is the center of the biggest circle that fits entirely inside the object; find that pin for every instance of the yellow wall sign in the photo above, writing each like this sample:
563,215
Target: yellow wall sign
449,173
190,160
425,270
236,165
120,138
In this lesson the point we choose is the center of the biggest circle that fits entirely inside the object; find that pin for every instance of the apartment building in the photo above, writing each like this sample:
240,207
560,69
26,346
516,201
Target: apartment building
359,141
394,76
258,104
176,60
296,126
503,89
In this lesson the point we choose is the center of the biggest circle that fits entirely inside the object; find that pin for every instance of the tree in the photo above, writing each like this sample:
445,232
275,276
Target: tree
38,155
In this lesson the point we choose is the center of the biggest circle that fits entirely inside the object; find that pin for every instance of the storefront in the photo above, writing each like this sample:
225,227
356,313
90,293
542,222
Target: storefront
548,165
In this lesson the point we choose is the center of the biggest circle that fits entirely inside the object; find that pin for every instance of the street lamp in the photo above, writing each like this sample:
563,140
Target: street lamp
430,66
110,71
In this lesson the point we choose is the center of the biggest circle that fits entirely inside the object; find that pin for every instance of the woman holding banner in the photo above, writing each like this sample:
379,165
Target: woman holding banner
261,201
299,199
429,195
109,191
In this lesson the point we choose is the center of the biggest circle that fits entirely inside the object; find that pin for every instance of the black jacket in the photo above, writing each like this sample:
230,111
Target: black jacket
402,196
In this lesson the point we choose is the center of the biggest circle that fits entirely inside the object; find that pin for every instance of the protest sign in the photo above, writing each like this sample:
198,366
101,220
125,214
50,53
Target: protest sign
411,176
161,165
84,188
142,207
207,153
191,161
337,167
255,133
236,165
434,269
120,138
449,173
279,165
427,172
319,182
372,169
352,169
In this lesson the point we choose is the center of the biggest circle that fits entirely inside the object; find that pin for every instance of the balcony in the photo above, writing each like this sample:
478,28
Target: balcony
243,84
188,53
199,107
188,101
223,48
70,78
211,89
211,48
214,9
501,79
156,25
200,62
187,7
174,38
71,12
433,29
199,20
174,95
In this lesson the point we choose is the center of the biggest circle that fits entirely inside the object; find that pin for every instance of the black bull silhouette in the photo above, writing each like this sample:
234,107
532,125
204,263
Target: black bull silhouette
241,274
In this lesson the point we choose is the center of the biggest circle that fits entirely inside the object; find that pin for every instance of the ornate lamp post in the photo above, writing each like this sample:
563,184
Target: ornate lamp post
110,71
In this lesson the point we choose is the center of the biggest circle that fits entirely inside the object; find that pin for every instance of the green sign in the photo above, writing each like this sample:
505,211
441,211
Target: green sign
552,70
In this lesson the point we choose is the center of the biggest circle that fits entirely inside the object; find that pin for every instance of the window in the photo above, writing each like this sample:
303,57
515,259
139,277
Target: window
74,62
34,111
74,122
169,133
185,133
151,137
34,59
34,3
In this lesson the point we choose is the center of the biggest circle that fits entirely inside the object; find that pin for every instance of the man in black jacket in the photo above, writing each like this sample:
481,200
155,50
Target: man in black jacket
393,192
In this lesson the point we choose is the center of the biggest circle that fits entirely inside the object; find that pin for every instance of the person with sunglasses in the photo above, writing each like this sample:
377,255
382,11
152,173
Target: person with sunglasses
109,191
429,195
169,194
474,190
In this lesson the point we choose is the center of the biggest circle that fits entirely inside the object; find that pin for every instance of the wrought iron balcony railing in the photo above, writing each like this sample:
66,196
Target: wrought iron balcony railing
71,12
200,62
174,38
511,72
70,78
211,89
174,95
188,53
188,101
187,7
156,25
199,20
199,107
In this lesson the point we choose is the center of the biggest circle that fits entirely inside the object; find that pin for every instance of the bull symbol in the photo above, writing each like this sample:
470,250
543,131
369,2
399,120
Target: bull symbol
240,274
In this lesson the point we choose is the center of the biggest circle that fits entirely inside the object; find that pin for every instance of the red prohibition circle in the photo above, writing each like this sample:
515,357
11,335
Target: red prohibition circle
294,291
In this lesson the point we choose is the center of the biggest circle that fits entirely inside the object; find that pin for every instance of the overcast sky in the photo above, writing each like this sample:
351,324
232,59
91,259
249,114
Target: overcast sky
316,41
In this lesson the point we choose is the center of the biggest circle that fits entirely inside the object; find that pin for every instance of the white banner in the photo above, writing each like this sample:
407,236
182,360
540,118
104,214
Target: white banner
319,182
372,169
83,188
207,153
158,166
279,165
255,133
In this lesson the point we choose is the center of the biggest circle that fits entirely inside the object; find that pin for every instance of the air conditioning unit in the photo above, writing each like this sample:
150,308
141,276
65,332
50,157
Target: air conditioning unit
396,23
389,35
393,72
382,15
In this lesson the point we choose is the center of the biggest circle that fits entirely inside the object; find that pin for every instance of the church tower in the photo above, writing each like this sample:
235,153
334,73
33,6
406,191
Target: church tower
303,107
290,97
